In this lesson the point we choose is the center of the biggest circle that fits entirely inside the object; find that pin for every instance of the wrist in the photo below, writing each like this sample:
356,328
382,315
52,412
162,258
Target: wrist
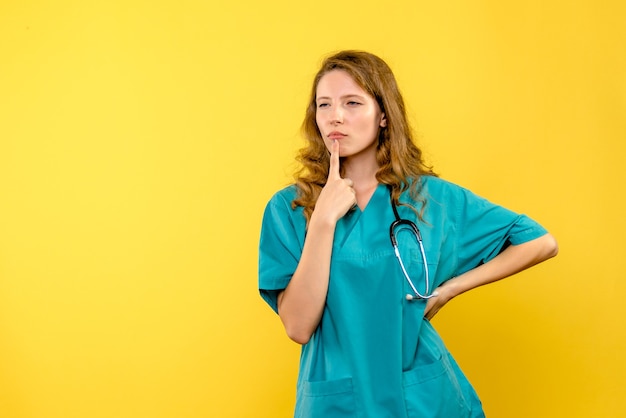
319,221
453,287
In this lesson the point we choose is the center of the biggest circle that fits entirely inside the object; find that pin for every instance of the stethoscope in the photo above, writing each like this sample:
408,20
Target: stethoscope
418,236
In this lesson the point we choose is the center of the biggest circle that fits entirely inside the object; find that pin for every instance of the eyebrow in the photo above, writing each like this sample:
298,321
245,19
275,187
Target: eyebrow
347,96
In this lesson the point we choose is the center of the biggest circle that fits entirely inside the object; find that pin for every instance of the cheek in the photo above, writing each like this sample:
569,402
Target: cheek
318,124
368,123
319,121
327,142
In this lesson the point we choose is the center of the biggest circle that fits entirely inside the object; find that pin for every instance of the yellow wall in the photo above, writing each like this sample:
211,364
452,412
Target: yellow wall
140,141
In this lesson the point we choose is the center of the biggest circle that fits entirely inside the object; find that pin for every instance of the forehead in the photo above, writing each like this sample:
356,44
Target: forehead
338,83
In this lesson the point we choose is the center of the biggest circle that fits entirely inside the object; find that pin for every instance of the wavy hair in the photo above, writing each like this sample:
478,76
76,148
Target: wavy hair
400,161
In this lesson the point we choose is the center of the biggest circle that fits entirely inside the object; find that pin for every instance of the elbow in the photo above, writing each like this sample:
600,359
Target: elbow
551,247
299,336
296,330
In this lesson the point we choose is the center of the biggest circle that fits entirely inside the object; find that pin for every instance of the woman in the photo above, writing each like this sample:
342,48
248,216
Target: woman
359,307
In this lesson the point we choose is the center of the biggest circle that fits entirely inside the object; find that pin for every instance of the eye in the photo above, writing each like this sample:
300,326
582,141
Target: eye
353,103
321,105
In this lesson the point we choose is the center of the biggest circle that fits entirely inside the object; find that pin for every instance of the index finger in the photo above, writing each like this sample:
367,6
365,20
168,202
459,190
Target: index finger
333,170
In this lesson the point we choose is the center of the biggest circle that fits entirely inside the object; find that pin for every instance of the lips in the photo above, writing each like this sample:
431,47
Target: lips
336,135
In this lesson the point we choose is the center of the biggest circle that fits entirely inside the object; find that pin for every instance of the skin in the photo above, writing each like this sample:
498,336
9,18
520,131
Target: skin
349,120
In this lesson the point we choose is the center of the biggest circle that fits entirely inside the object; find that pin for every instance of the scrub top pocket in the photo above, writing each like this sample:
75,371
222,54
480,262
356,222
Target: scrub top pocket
326,399
433,391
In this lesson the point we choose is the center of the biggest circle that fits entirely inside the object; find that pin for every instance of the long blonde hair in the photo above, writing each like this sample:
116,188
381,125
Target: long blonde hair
399,160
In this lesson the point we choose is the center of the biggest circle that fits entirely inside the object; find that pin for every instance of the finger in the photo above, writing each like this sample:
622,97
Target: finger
333,171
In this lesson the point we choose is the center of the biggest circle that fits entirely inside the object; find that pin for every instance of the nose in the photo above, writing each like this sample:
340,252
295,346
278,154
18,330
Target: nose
336,116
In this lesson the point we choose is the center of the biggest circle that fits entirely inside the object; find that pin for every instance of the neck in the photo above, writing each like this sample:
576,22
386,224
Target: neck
362,173
363,176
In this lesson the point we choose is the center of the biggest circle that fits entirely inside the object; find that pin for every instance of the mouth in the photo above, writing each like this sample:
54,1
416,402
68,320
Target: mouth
336,135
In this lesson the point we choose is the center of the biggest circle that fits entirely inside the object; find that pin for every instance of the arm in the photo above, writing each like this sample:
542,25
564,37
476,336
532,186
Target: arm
512,260
301,304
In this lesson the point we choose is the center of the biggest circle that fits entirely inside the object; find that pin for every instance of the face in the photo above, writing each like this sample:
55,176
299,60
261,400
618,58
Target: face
348,114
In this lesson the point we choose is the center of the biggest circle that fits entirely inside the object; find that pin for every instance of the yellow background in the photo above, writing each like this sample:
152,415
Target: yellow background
140,141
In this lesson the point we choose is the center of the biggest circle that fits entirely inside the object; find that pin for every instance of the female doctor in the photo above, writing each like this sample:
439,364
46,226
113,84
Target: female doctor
368,245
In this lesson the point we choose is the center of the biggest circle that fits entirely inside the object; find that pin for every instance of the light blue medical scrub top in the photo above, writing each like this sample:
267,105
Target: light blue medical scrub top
373,354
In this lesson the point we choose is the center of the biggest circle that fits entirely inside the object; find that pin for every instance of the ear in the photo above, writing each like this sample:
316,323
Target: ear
383,121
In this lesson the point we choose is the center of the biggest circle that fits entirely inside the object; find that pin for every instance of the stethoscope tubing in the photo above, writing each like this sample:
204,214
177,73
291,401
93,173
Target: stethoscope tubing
392,235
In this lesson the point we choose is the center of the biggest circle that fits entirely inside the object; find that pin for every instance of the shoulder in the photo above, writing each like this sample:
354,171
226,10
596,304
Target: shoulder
437,183
431,187
279,209
443,196
284,196
283,227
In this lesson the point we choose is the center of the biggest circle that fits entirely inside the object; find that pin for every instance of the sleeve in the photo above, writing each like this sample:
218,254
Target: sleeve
280,248
485,229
